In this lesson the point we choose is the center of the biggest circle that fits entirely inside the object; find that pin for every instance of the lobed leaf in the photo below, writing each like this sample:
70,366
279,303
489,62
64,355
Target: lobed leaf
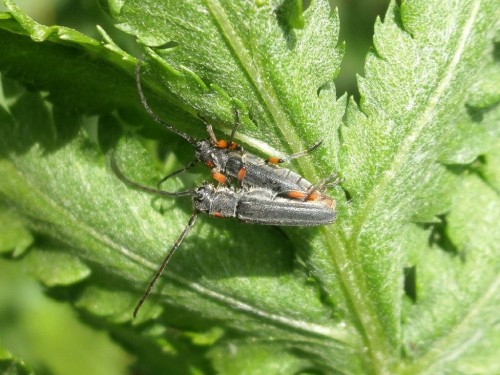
412,119
206,280
405,282
218,56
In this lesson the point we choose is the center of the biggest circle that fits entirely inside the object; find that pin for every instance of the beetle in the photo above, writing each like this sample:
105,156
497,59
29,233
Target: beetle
229,161
253,205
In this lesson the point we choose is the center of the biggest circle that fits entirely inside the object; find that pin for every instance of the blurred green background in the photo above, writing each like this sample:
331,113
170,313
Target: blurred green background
48,334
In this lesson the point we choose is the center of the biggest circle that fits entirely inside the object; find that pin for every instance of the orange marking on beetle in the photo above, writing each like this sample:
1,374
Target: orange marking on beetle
209,164
273,160
218,215
294,194
221,143
241,174
314,196
233,146
219,177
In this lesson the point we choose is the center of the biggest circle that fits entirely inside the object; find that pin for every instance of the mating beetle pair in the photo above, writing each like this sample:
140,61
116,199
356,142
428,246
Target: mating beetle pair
254,205
267,194
228,161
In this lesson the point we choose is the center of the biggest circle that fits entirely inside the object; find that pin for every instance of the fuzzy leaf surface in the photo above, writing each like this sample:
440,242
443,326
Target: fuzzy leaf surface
429,101
229,281
416,118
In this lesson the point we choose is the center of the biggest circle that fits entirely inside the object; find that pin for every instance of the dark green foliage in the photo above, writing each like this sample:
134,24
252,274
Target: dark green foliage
419,155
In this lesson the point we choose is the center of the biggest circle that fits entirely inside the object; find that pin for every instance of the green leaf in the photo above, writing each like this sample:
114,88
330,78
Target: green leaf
488,169
119,236
48,334
14,236
221,55
267,358
9,365
465,291
81,73
413,117
415,154
54,266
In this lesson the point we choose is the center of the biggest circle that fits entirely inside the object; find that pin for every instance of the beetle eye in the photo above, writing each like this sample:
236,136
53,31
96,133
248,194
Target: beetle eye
202,193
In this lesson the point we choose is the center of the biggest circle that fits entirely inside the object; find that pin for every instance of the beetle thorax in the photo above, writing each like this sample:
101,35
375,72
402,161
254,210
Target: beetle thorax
204,151
211,155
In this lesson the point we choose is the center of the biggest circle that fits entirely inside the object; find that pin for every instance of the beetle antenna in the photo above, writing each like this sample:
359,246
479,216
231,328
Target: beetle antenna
150,112
147,189
160,270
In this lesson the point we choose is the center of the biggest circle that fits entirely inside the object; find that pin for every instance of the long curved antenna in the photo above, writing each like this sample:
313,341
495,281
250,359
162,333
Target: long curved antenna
300,153
158,273
184,169
150,112
126,180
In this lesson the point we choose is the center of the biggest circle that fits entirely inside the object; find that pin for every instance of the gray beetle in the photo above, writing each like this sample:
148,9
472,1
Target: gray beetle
254,205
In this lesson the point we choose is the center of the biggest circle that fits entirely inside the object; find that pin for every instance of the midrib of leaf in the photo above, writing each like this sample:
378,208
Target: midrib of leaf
440,351
72,222
272,103
354,285
372,330
262,89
